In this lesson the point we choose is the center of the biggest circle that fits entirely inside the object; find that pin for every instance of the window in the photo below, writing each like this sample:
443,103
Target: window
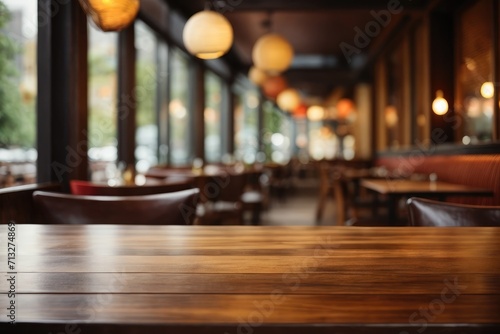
475,85
18,79
102,124
277,131
301,138
149,79
180,153
163,102
212,117
246,126
323,142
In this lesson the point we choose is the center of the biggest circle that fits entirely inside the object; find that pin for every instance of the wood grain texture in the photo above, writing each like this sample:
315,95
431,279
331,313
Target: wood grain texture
218,279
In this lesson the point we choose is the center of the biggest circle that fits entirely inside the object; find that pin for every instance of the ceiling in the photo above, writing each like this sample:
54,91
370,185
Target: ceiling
316,29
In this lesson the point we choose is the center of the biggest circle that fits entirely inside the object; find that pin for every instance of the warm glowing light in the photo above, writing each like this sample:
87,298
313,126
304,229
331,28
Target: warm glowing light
273,86
257,76
111,15
177,109
315,113
288,100
272,53
301,140
211,115
421,120
300,111
440,105
207,35
391,116
487,90
344,108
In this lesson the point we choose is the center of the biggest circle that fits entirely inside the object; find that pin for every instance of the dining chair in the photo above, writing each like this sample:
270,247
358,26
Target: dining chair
81,187
255,196
174,208
326,187
426,212
221,198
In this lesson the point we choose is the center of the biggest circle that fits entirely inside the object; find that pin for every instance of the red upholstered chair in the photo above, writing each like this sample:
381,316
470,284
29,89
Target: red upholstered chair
426,212
174,208
80,187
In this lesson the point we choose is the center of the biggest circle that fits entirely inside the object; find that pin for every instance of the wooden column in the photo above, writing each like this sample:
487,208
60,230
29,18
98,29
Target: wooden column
260,124
442,57
196,109
62,92
162,99
227,118
496,69
127,103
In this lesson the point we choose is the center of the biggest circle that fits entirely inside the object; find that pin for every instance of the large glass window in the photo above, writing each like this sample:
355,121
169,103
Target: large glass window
163,102
102,124
277,133
323,142
475,85
149,78
18,77
180,153
212,116
246,126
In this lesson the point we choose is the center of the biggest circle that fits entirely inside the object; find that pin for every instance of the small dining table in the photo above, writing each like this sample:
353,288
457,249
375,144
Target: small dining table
132,279
395,189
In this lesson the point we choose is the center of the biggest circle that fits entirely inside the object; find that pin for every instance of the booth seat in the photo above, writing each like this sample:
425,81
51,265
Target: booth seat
482,171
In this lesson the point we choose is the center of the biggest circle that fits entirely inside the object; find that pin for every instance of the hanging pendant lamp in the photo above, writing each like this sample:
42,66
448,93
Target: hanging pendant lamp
257,76
273,86
272,53
207,35
487,90
440,105
111,15
288,100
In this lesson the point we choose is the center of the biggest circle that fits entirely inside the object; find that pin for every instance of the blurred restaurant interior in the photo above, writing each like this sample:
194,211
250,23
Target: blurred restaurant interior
290,87
270,123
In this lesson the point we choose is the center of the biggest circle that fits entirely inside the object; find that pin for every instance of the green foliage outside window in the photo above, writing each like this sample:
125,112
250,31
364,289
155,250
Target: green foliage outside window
17,117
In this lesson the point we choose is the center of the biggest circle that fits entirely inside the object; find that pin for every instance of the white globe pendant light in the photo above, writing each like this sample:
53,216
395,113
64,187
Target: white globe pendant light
207,35
272,53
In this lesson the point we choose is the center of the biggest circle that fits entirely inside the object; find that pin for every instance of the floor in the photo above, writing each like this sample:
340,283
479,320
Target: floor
298,206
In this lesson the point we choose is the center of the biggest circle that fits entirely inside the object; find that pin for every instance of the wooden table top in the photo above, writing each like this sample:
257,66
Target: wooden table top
415,187
243,279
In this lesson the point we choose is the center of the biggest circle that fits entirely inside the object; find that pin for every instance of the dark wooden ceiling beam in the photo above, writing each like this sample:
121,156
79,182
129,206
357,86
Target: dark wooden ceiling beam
318,82
290,5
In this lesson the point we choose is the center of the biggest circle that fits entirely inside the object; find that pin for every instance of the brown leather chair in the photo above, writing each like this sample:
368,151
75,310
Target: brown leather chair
426,212
254,198
80,187
221,199
175,208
